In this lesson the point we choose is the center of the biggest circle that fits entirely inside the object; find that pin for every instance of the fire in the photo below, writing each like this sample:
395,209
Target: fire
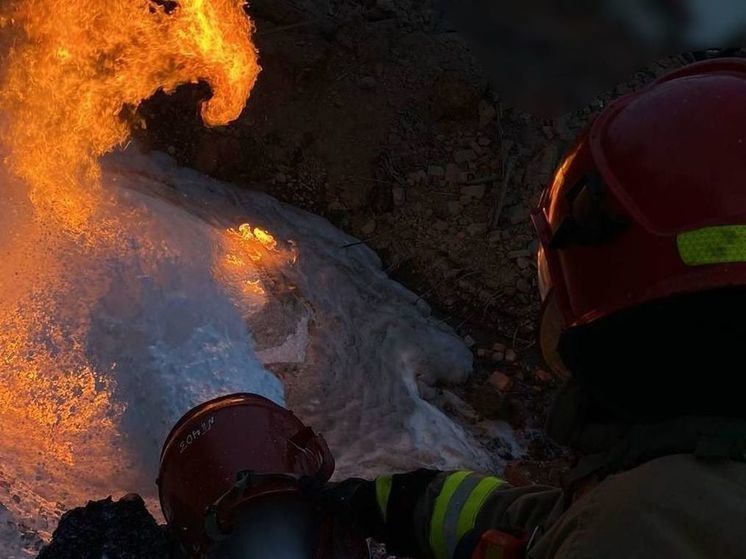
75,70
249,256
78,64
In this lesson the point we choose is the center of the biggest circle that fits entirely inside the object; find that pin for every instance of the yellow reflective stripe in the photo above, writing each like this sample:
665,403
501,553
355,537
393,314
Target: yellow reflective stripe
713,245
468,517
383,492
437,533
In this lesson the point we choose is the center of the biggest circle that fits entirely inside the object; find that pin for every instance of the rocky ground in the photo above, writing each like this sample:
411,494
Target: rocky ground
377,116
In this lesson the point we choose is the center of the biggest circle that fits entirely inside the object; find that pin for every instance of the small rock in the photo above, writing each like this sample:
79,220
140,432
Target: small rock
501,381
369,227
523,286
519,215
481,352
523,263
497,346
498,357
476,229
464,156
473,191
543,376
436,171
281,178
510,356
516,254
398,195
487,113
367,83
453,173
387,5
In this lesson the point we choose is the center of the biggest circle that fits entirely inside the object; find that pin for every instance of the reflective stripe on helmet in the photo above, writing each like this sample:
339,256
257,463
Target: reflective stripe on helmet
383,492
456,509
713,245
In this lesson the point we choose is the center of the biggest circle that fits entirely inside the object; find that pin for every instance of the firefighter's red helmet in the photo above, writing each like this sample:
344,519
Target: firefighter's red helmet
650,202
235,452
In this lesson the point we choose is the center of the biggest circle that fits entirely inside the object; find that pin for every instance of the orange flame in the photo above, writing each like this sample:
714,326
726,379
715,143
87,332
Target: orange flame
79,63
75,67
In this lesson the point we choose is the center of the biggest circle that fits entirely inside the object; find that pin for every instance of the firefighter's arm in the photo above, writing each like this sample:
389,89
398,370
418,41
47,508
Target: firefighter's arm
448,515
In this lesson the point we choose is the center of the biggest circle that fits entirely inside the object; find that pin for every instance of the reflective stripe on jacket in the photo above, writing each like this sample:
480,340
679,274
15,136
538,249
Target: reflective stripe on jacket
676,506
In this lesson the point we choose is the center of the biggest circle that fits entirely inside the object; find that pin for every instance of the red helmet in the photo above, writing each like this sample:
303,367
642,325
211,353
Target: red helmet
235,453
649,203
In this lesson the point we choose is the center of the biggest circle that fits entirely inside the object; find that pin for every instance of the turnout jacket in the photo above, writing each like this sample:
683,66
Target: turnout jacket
687,505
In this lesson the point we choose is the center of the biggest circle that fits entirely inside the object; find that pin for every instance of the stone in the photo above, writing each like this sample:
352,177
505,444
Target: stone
497,346
543,376
387,5
473,191
464,156
510,356
523,286
501,381
452,97
281,178
498,357
453,173
518,215
369,228
516,254
487,113
477,229
398,195
367,83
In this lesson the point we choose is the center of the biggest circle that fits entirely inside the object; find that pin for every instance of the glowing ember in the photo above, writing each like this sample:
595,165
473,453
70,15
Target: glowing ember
80,63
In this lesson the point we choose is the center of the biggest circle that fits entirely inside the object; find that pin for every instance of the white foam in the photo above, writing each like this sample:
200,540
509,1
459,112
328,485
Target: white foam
349,345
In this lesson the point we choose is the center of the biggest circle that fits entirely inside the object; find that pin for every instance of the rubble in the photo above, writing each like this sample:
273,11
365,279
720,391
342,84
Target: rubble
501,381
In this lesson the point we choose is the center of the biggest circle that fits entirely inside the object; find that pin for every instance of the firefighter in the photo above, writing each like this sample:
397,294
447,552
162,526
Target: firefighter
642,272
